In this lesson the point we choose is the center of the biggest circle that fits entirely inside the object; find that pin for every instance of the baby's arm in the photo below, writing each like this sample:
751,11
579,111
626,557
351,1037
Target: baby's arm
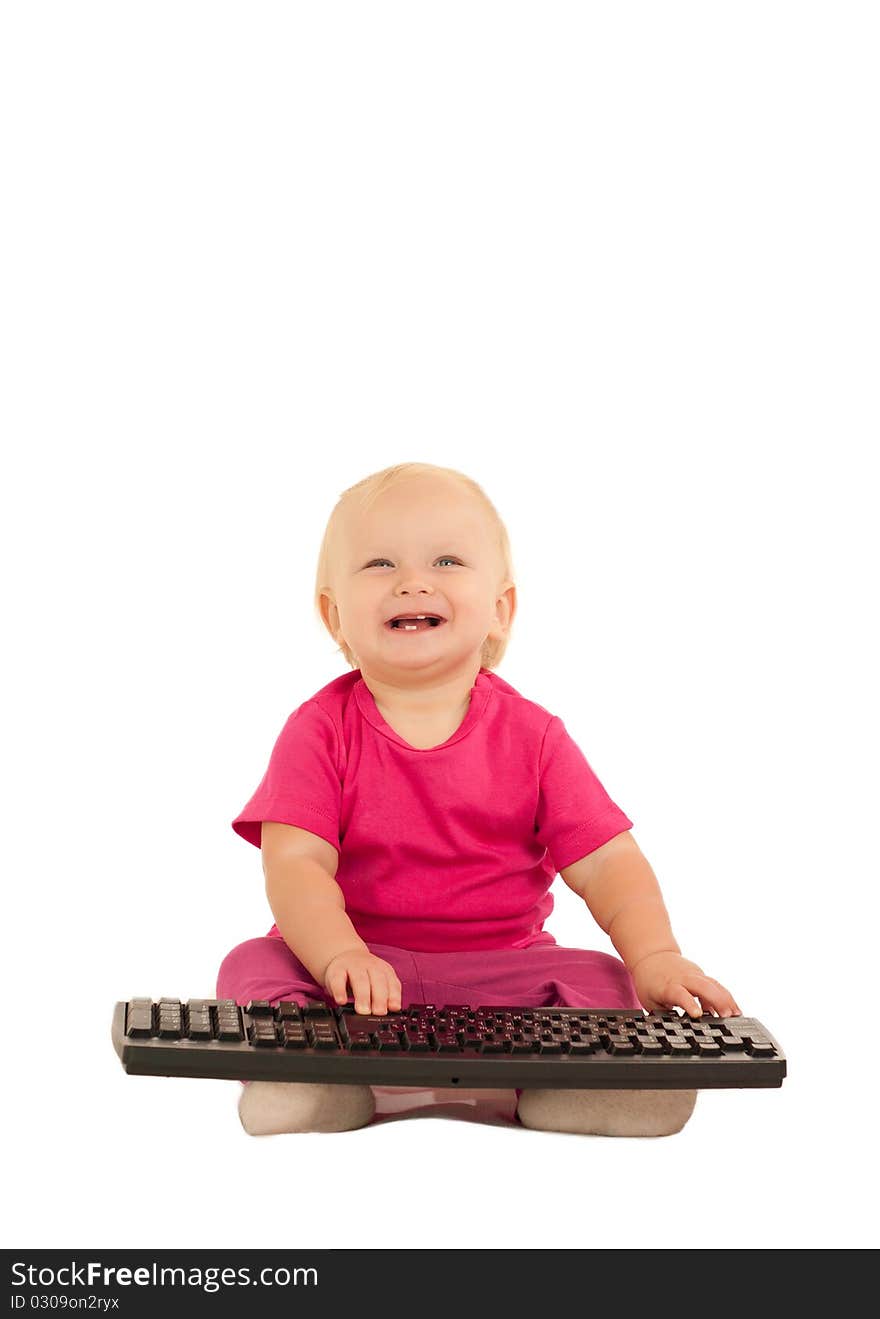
621,891
309,910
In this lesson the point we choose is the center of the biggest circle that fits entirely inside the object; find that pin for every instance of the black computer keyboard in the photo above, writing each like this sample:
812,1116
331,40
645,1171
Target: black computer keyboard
425,1045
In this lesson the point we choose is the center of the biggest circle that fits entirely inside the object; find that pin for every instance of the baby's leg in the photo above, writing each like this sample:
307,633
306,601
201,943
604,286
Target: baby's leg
270,1108
267,969
607,1112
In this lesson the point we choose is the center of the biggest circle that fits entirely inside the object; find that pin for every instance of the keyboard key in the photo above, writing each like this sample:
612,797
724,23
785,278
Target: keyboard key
200,1029
315,1008
292,1029
229,1024
139,1024
261,1033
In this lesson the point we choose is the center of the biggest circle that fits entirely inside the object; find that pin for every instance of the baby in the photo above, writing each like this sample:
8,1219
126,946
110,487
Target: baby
416,811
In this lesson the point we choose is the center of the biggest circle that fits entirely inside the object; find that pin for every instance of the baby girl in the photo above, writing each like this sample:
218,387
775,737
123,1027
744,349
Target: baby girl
416,811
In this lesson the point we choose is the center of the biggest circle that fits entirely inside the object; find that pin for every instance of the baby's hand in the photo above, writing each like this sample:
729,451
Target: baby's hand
665,980
374,983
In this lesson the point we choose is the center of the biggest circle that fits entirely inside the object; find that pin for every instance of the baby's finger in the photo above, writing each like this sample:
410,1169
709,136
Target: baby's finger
394,992
360,986
727,1004
337,985
676,995
379,991
714,996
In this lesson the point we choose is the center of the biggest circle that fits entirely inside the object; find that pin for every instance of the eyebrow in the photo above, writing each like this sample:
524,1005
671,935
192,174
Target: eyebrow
379,554
445,547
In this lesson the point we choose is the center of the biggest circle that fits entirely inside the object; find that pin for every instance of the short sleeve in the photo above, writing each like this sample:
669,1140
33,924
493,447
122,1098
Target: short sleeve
575,815
301,786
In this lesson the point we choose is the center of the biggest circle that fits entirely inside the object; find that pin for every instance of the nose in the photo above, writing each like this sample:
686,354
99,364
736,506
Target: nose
409,588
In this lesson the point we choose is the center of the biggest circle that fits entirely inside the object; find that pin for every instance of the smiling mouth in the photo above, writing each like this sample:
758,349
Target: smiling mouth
415,623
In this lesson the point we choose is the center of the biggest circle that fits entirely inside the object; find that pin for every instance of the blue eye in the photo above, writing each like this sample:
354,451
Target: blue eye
450,558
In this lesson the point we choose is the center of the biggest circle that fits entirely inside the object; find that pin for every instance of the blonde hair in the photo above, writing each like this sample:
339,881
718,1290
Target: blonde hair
359,497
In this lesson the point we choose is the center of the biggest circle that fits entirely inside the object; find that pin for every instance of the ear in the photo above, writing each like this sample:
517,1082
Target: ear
329,613
505,607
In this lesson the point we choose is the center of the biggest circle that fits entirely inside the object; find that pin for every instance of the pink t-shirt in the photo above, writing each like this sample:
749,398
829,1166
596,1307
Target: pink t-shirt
447,849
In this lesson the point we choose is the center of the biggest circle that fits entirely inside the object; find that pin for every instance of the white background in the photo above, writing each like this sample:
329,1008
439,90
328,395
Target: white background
619,265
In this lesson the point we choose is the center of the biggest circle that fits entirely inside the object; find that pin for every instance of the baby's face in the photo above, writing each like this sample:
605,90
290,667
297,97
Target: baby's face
424,547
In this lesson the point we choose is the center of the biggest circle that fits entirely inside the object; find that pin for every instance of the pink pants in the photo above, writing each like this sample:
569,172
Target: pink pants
544,975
